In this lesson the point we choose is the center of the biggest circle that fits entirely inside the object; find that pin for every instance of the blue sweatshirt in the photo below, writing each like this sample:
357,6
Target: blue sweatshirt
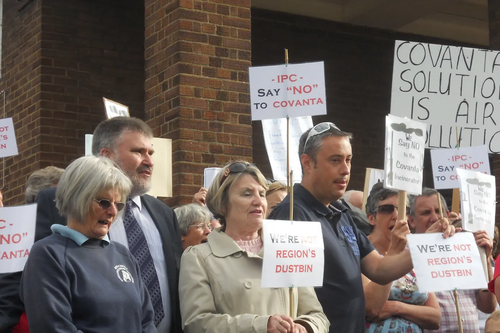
75,284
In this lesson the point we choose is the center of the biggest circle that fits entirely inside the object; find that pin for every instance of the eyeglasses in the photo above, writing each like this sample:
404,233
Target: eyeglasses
105,204
389,209
318,129
235,167
202,226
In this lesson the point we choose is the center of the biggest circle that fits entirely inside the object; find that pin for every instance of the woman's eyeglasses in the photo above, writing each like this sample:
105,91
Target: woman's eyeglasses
389,209
235,167
105,204
202,226
318,129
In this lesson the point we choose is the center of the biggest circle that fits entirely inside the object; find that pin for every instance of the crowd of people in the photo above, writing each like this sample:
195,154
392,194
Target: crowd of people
110,258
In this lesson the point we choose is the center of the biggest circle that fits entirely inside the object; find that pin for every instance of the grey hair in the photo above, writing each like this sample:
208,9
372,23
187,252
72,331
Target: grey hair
377,194
218,194
189,214
315,142
107,132
347,194
41,179
83,180
427,192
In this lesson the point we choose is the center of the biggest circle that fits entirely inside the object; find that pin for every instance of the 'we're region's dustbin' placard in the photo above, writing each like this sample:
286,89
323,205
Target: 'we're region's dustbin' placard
293,254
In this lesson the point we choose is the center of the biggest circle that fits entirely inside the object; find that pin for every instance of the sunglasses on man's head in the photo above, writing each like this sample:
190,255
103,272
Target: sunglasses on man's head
235,167
318,129
105,204
389,209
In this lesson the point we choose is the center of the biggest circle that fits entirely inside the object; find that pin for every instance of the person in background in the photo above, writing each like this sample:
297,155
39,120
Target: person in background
424,212
398,306
76,280
355,198
200,199
194,224
220,281
12,313
274,195
41,179
493,323
1,199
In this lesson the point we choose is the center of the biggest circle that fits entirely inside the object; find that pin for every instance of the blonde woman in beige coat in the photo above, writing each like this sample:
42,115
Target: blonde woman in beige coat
220,280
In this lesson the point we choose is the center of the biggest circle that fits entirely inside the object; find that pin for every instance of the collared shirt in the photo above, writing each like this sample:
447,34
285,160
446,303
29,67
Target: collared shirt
72,234
467,300
342,294
118,234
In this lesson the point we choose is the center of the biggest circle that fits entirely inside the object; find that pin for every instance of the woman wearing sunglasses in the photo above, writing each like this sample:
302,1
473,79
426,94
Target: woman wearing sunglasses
76,280
398,306
220,280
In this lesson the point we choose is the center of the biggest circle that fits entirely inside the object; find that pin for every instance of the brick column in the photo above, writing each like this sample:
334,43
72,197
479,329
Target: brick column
197,56
494,23
21,80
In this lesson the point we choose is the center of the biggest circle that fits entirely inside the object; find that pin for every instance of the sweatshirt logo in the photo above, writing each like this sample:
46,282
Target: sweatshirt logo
123,274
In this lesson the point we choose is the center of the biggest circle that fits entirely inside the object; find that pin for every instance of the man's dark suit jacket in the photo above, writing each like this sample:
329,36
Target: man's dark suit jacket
164,219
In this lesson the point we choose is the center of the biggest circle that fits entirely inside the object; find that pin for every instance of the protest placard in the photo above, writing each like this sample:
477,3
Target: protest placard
293,254
478,197
209,175
450,88
287,90
443,264
17,235
275,139
8,143
404,154
446,161
115,109
372,177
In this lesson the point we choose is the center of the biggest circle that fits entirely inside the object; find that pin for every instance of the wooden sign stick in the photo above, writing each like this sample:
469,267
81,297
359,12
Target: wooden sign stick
291,219
455,203
402,205
460,328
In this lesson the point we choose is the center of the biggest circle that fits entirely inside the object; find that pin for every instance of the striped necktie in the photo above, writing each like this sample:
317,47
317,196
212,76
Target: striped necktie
139,248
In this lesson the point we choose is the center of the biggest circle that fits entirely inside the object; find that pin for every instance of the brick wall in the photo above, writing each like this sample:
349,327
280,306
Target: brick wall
61,57
197,56
21,79
358,74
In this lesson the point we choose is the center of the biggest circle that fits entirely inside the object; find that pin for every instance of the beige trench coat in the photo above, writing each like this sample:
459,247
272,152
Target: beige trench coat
220,292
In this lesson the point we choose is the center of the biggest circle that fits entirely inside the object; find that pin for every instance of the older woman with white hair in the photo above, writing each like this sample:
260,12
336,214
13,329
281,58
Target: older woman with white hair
76,280
194,224
220,280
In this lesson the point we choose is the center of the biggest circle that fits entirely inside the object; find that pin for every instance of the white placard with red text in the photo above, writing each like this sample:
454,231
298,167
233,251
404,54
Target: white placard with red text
293,254
17,235
446,161
287,90
478,198
8,143
445,264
